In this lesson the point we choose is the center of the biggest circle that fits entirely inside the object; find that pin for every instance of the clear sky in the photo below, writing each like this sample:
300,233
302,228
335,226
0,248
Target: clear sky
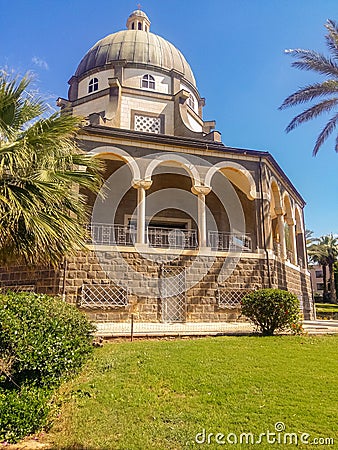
236,50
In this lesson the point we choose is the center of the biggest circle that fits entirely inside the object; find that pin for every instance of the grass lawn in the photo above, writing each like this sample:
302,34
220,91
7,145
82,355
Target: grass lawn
326,307
160,394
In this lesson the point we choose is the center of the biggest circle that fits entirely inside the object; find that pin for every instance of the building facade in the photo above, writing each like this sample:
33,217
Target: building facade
186,225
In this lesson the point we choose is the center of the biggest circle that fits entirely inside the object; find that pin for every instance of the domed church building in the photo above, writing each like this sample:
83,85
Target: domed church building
185,225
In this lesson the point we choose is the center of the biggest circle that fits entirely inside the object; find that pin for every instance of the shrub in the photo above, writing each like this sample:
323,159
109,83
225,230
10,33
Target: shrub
42,341
272,310
22,411
45,338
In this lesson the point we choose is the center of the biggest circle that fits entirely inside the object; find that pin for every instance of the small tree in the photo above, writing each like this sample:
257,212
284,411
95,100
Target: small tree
41,168
272,310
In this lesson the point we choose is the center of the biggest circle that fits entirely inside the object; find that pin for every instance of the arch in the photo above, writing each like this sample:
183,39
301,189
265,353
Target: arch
275,197
287,207
120,154
299,220
237,174
177,160
93,85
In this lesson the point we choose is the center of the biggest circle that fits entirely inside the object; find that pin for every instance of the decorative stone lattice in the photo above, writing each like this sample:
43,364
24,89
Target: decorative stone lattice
231,299
148,124
103,296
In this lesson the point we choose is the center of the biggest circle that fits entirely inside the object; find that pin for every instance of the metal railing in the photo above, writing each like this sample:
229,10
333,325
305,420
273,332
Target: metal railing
107,234
171,237
233,242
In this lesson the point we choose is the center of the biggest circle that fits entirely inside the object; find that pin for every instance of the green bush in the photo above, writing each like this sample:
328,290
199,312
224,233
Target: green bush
22,411
272,310
44,338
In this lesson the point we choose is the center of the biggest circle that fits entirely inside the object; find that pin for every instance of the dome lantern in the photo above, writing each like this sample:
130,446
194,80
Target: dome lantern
138,20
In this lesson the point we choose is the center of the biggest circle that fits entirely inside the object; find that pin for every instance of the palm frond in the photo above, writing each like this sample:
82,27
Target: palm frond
311,113
16,107
311,60
332,37
41,214
310,92
325,133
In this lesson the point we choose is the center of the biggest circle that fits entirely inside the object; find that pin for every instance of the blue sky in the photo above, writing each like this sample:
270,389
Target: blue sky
236,51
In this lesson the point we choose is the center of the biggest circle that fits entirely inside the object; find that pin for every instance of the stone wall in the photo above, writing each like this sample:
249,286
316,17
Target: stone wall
142,278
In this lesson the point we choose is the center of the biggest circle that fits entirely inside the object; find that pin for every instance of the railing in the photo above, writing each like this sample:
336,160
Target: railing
171,238
229,242
106,234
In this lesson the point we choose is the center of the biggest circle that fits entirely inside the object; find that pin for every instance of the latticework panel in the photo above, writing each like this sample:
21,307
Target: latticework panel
103,296
173,287
231,299
19,288
148,124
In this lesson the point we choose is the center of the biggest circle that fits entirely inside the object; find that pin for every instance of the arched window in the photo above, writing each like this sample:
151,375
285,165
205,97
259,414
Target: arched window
140,26
191,102
93,85
148,81
133,26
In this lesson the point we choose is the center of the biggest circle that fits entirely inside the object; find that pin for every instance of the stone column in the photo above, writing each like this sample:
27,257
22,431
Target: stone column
141,186
281,232
201,192
292,231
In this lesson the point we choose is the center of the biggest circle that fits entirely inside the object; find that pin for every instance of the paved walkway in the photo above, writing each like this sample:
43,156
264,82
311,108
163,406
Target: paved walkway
142,329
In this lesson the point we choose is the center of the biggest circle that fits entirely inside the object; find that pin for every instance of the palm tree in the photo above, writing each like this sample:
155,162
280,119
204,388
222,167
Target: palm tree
317,255
41,168
325,91
331,244
325,253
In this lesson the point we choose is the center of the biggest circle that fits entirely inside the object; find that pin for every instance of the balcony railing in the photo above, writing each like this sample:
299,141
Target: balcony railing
229,242
107,234
171,238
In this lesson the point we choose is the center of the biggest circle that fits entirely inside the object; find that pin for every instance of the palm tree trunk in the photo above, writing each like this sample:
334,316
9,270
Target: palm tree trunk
333,296
324,283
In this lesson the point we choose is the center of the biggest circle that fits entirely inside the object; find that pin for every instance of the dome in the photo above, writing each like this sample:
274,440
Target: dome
138,13
135,47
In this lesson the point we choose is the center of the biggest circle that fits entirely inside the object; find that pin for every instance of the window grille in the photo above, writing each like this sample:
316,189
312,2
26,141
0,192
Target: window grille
148,82
191,102
18,288
103,296
231,299
147,124
93,85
